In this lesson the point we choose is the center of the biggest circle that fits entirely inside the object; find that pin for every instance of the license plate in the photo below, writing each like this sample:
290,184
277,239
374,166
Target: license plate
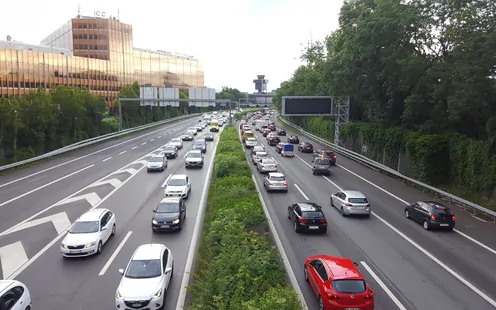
136,305
444,225
165,226
351,308
314,227
75,251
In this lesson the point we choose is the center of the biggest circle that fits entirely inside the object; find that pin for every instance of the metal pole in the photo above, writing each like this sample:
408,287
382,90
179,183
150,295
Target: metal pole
120,115
230,118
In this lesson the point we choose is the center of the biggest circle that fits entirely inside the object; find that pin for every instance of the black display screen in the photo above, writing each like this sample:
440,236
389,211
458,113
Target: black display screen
308,106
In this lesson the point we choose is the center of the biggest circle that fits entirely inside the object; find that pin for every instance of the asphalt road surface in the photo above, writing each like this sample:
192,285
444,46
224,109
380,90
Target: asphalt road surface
38,205
407,267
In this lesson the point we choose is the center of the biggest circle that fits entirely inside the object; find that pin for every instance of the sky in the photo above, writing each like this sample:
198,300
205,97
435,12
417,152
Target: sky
236,40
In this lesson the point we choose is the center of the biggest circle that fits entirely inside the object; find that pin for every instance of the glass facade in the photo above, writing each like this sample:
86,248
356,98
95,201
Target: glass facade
104,61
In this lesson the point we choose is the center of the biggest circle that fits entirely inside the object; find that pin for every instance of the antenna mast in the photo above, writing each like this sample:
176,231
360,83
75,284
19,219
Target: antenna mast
79,10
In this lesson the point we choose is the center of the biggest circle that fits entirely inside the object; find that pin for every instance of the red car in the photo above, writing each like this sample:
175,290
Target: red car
338,283
272,127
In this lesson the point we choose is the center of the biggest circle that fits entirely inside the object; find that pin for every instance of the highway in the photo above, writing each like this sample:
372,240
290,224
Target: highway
37,209
407,267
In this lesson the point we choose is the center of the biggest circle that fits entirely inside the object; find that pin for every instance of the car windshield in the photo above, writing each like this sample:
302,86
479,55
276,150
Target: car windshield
312,215
194,155
349,286
156,159
358,200
209,135
85,227
143,269
169,149
176,182
278,178
252,139
268,162
168,207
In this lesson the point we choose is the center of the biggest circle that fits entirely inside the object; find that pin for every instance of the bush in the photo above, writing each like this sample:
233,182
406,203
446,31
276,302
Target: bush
238,266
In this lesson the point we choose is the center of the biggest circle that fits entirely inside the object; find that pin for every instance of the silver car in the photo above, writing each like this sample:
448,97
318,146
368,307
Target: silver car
188,136
351,202
276,181
177,142
193,130
157,163
194,159
258,156
257,148
267,165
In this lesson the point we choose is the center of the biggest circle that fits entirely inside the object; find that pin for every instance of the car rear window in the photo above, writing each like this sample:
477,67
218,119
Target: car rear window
358,200
312,214
277,178
322,162
349,286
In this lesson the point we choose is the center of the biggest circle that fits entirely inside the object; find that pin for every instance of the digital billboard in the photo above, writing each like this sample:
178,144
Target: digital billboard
307,106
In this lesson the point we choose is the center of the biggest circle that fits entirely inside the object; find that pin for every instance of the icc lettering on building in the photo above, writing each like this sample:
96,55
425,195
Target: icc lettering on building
96,53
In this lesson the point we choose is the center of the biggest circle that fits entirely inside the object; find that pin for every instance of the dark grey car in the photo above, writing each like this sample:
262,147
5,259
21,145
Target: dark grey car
321,166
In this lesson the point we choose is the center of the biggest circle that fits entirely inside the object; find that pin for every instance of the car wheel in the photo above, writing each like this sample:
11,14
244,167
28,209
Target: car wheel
289,217
99,249
426,225
113,230
407,214
305,271
332,203
28,308
296,228
286,191
342,212
321,303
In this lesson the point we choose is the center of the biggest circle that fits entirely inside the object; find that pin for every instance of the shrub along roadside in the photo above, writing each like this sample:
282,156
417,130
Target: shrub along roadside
237,267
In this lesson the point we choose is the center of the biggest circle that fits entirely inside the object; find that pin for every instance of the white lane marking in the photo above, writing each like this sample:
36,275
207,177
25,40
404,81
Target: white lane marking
143,143
420,248
482,245
479,219
128,170
114,255
181,299
159,137
108,158
122,152
383,286
166,180
84,156
152,140
59,220
92,198
134,147
114,182
301,192
45,185
12,257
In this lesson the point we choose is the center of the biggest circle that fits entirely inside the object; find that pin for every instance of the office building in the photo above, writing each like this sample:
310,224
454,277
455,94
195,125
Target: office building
96,53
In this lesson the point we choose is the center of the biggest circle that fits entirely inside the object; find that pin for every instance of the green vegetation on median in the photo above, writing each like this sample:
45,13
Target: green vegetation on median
238,267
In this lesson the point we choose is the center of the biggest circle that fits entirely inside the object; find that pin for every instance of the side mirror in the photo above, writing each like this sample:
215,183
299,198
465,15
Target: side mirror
168,270
121,271
103,229
154,211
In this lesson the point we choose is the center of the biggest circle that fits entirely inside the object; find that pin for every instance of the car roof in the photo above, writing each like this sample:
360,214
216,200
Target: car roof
170,199
309,206
261,153
157,155
194,151
340,267
176,139
259,146
252,139
354,194
178,176
92,215
200,140
435,204
264,160
149,251
6,284
276,174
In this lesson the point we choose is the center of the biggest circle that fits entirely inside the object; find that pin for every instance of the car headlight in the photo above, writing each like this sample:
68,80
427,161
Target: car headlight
154,222
175,221
63,245
89,245
157,294
118,295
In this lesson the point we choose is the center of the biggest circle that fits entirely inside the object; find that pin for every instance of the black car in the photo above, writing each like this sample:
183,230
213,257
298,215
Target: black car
305,147
170,152
281,131
321,166
169,214
307,216
325,154
431,215
187,136
209,136
273,140
294,139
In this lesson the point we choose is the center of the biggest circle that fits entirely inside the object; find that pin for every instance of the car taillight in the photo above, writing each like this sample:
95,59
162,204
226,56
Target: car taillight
369,295
334,156
453,218
313,149
263,167
368,205
332,296
349,205
302,220
433,218
323,221
271,183
329,168
275,167
284,183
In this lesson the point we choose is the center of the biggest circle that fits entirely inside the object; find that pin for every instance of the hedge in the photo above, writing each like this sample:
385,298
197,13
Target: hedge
238,267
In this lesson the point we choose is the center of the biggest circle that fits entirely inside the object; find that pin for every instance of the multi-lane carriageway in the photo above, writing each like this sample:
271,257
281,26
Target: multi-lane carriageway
38,204
407,267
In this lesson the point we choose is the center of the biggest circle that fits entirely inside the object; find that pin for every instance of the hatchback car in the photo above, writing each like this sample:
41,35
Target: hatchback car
178,185
307,216
194,159
14,295
177,142
257,148
338,283
170,151
89,233
351,202
157,163
275,181
146,279
200,145
431,215
305,147
321,166
208,136
325,154
294,139
267,165
258,156
281,131
169,215
273,140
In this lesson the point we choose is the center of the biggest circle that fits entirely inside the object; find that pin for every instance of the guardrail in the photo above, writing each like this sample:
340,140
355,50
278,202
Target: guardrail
94,140
463,203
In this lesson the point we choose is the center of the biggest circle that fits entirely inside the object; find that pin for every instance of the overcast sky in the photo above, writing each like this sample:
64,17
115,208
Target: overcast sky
236,39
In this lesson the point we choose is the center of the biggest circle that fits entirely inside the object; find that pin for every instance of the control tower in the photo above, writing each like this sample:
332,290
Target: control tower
261,84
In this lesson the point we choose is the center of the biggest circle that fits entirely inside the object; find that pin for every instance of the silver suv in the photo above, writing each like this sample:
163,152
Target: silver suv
194,159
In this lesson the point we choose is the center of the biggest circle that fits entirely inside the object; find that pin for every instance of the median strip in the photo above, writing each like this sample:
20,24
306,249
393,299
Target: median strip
238,265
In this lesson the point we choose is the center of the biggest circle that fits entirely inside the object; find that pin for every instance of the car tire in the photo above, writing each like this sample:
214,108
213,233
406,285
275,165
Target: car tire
296,228
321,303
305,272
28,308
286,191
113,230
407,214
426,225
100,247
331,202
289,217
342,212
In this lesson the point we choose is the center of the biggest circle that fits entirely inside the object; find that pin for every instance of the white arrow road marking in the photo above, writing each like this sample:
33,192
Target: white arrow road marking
114,182
60,221
166,180
12,257
143,162
91,198
131,171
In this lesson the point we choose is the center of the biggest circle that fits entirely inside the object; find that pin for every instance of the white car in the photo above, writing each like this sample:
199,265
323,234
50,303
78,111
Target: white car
157,163
89,233
250,142
146,278
14,295
258,156
193,130
177,142
178,185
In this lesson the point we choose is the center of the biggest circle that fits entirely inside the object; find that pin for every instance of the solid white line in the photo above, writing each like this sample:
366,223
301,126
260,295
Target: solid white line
383,286
479,219
181,299
84,156
482,245
143,143
108,158
301,192
122,152
166,180
45,185
114,255
152,140
134,147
